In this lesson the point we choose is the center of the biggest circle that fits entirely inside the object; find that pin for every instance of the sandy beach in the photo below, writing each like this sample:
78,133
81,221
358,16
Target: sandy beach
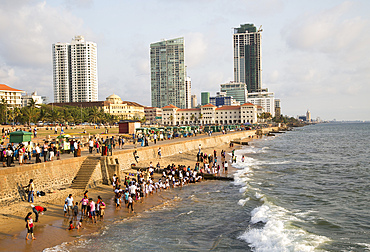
51,230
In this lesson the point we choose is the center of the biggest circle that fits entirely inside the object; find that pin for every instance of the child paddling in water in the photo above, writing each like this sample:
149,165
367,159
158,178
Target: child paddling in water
29,226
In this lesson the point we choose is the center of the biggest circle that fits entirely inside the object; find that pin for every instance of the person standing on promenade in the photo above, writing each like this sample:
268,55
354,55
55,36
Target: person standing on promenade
3,155
37,210
45,151
75,145
226,166
97,145
29,151
38,151
9,156
91,145
155,138
29,226
159,152
69,200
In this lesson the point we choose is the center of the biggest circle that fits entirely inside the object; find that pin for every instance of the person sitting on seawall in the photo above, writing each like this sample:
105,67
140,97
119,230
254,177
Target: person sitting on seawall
38,210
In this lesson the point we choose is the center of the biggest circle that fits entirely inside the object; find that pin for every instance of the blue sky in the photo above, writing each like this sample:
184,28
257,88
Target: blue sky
315,53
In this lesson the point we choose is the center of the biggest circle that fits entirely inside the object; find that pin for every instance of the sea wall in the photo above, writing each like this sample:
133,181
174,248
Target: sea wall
47,176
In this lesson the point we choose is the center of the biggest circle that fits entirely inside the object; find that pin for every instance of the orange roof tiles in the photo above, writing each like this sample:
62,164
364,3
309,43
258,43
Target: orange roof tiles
228,108
208,105
191,109
4,87
170,106
248,104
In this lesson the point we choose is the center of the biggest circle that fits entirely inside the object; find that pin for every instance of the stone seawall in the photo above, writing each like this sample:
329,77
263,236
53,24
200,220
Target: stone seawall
60,173
47,176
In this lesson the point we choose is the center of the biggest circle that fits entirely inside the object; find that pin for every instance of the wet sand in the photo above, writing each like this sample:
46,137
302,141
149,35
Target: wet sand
51,230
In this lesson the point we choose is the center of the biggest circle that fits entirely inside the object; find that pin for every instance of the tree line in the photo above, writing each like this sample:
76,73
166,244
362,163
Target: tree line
34,113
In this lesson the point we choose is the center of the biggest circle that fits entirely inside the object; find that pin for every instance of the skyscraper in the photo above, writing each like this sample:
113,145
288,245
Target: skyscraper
75,74
247,56
237,90
169,84
204,98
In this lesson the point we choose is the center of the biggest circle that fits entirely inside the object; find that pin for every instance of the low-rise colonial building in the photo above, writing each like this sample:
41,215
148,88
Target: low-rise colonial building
209,114
112,105
153,115
11,96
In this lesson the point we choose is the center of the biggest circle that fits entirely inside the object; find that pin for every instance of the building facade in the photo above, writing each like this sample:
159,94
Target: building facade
209,114
237,90
194,101
75,75
264,99
153,115
113,105
26,99
10,96
169,84
277,108
247,56
204,98
221,99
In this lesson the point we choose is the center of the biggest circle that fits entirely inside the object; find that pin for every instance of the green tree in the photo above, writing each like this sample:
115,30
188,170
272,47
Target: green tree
94,114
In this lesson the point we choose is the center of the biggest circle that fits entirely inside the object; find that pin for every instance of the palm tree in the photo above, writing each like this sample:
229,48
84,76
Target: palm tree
143,120
30,114
200,118
94,114
3,109
192,117
171,118
182,119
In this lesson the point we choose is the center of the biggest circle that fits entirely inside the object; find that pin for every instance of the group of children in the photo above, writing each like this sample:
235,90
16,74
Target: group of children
89,209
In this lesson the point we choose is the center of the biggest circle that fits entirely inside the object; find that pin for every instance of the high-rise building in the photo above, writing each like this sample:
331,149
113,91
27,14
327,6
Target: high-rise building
277,108
264,99
75,73
308,116
194,101
168,74
188,92
204,98
247,56
237,90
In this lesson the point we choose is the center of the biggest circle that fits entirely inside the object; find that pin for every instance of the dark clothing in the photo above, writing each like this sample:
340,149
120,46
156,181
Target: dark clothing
36,213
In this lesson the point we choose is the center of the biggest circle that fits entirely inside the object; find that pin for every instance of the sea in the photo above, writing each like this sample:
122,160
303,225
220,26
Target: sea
303,190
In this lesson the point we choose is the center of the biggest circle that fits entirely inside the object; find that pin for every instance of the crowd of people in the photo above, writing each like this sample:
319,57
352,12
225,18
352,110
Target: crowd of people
134,188
208,163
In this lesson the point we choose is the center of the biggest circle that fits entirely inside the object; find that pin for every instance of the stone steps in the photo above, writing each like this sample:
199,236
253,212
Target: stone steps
84,174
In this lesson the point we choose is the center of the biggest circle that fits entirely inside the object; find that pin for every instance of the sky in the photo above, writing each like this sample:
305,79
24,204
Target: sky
315,53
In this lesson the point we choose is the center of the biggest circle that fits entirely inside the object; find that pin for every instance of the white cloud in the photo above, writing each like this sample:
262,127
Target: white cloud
30,28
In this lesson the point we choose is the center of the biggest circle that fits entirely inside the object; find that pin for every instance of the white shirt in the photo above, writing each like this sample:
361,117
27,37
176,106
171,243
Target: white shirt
132,189
69,201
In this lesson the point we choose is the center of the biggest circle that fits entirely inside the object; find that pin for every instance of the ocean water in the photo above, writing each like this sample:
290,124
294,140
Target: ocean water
305,190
